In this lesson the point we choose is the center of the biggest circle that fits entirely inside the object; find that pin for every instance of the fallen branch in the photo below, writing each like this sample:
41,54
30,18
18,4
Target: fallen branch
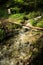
38,28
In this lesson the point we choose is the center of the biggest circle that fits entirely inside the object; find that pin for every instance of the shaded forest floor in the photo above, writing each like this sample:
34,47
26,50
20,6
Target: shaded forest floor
22,45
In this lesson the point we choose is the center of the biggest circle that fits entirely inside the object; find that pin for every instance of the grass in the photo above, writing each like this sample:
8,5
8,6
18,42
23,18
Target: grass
17,16
33,22
20,17
33,14
23,16
4,14
40,23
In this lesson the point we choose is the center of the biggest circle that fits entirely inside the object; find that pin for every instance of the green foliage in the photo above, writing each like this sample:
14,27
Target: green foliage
20,1
17,16
40,24
2,34
32,15
15,10
3,13
33,22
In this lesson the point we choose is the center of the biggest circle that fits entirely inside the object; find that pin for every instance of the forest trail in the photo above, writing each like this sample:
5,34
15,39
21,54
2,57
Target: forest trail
22,47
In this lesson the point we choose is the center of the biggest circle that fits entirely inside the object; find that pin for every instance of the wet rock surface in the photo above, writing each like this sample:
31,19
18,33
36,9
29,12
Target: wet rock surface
22,47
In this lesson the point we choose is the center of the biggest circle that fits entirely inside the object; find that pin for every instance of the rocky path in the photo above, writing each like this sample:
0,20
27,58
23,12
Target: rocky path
21,49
